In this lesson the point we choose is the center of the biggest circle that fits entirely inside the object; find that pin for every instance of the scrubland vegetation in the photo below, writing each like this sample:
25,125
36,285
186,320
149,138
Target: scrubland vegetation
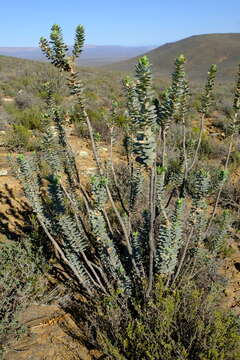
143,244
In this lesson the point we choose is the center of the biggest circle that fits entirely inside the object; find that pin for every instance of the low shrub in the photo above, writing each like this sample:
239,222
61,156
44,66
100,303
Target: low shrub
21,283
30,118
222,123
181,323
235,160
23,100
20,138
212,148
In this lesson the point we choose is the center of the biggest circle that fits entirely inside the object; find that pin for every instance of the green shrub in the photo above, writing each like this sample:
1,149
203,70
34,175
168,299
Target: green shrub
20,138
21,283
212,148
114,250
30,118
235,159
24,100
179,324
222,123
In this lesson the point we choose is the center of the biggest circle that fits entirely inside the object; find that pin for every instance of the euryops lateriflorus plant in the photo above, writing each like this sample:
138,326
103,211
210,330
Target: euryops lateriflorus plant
141,256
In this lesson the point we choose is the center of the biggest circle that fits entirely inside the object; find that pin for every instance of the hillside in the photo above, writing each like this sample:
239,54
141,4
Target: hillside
93,55
28,75
200,51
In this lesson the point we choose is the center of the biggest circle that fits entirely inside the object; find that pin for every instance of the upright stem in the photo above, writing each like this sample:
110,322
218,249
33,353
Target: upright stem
184,147
198,144
225,168
164,149
107,221
182,187
220,188
115,177
98,163
159,202
152,207
183,255
88,263
61,253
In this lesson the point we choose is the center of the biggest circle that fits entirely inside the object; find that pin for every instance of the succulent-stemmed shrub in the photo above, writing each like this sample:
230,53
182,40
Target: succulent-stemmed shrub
119,247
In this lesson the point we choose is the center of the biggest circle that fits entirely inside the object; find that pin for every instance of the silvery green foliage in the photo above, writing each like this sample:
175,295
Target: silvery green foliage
51,213
99,191
57,51
75,243
49,147
79,41
106,247
74,235
27,172
235,123
141,111
179,89
138,252
75,85
107,251
200,225
169,241
174,99
136,188
201,187
68,159
124,249
133,106
175,173
173,107
160,173
207,97
218,179
140,245
220,232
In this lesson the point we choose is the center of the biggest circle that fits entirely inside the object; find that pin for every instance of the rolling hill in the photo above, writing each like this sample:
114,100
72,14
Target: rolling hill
200,51
92,55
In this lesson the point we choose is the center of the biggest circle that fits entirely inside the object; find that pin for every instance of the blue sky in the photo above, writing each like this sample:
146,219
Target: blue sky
107,22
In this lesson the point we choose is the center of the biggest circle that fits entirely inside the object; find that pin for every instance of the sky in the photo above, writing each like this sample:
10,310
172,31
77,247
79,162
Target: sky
113,22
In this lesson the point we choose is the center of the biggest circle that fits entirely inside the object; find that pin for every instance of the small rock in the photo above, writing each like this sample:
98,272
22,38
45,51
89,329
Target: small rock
3,172
91,171
53,130
68,131
103,149
7,99
228,292
83,154
2,137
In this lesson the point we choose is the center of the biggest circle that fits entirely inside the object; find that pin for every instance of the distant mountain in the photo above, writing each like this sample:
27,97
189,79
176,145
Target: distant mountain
201,51
92,55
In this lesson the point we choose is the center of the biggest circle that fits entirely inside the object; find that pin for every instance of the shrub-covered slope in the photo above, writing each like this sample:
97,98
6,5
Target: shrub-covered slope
200,50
